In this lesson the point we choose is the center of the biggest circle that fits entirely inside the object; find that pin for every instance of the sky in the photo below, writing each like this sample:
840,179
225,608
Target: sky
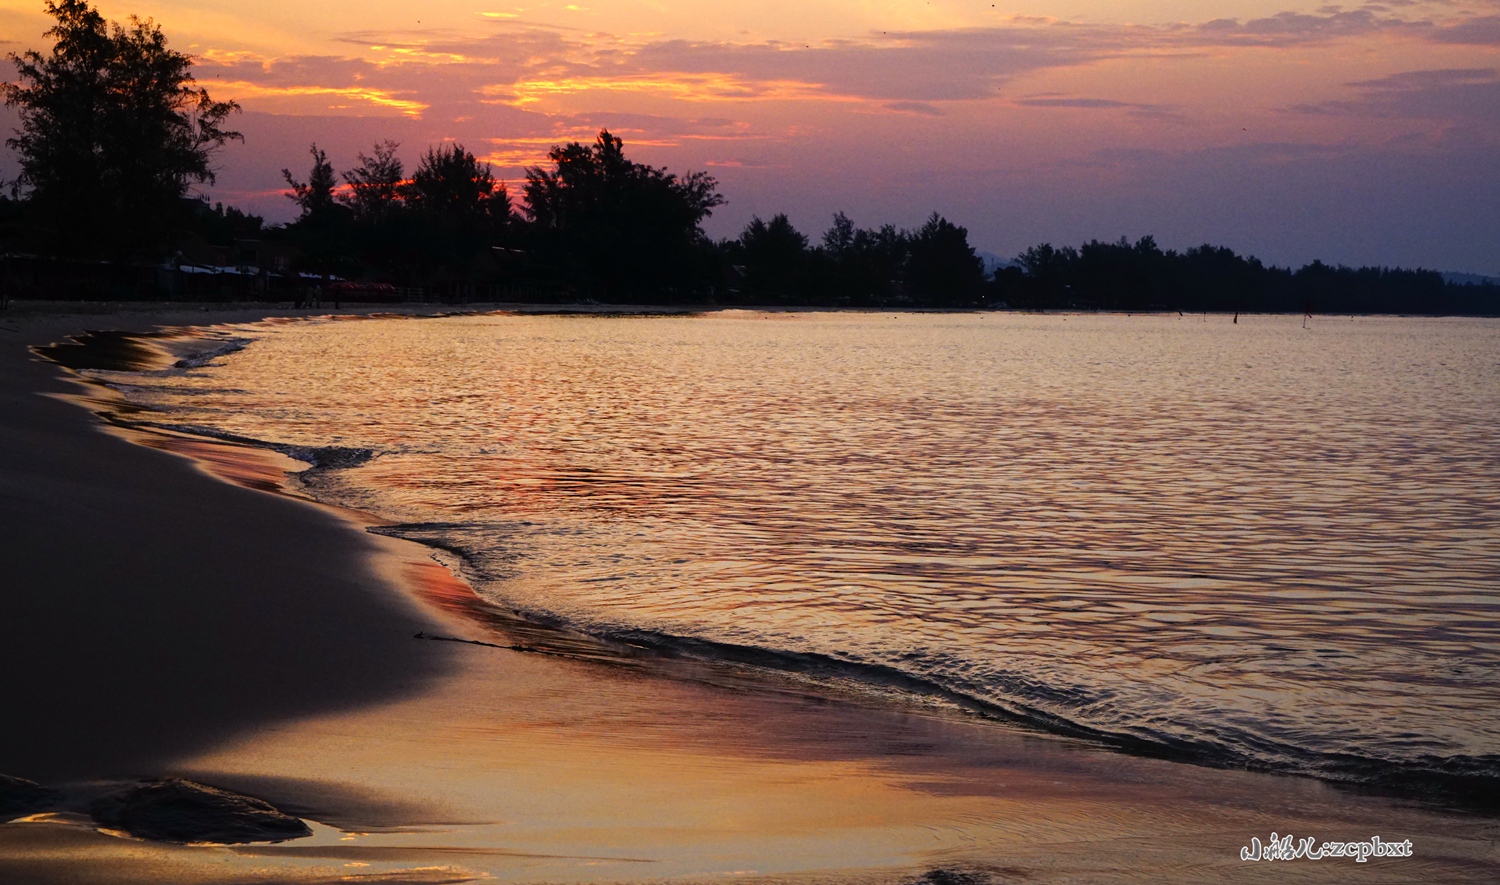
1362,134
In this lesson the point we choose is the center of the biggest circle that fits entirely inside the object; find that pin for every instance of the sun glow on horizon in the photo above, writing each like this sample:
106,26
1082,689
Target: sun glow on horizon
805,103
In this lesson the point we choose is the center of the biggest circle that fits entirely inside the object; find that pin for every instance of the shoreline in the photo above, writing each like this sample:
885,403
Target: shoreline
68,485
904,765
183,312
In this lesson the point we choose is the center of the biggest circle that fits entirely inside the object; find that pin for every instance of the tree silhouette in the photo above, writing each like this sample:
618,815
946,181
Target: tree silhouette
851,270
375,184
838,240
315,196
776,258
614,225
113,131
455,212
322,229
451,187
1049,273
942,268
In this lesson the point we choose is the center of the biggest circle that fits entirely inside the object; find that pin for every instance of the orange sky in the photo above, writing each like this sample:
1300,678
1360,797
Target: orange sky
1361,134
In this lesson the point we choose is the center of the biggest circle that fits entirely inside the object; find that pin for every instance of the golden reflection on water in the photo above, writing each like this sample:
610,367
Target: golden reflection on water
1247,535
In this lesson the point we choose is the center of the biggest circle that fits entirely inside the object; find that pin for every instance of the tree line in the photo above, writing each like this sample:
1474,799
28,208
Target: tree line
1142,276
591,222
115,133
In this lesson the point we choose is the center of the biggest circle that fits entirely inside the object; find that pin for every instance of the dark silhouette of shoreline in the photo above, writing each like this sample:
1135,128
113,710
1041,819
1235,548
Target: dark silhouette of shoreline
770,265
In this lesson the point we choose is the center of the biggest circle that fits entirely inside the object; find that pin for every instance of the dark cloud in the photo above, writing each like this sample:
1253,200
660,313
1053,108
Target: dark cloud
1294,28
1482,31
1409,80
1461,96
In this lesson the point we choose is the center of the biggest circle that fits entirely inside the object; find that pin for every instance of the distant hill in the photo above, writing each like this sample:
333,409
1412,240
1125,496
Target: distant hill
992,261
1466,279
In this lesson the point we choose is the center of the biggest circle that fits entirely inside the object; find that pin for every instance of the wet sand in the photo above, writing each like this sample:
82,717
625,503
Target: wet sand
151,611
170,616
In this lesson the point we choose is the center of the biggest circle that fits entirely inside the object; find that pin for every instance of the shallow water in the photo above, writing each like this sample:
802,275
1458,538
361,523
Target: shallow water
1247,543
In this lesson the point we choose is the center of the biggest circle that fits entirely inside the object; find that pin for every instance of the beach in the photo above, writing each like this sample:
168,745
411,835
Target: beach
173,610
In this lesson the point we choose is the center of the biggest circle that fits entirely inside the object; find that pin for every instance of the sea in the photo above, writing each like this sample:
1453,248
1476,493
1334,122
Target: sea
1266,542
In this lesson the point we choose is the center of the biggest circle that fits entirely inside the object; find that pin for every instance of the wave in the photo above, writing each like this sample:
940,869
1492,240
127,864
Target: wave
203,358
1471,781
318,457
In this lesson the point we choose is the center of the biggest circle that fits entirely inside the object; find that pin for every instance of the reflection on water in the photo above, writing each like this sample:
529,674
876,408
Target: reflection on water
1247,540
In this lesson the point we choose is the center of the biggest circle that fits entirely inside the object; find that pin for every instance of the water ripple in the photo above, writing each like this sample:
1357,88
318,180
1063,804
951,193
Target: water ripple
1277,543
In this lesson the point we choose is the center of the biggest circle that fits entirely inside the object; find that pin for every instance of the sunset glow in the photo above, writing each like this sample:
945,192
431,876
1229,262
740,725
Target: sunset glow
1356,134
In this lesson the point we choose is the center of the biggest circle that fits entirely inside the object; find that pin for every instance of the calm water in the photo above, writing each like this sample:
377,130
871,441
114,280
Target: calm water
1251,543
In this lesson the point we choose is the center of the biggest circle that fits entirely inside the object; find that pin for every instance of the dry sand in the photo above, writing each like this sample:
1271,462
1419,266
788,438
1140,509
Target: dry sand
161,621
